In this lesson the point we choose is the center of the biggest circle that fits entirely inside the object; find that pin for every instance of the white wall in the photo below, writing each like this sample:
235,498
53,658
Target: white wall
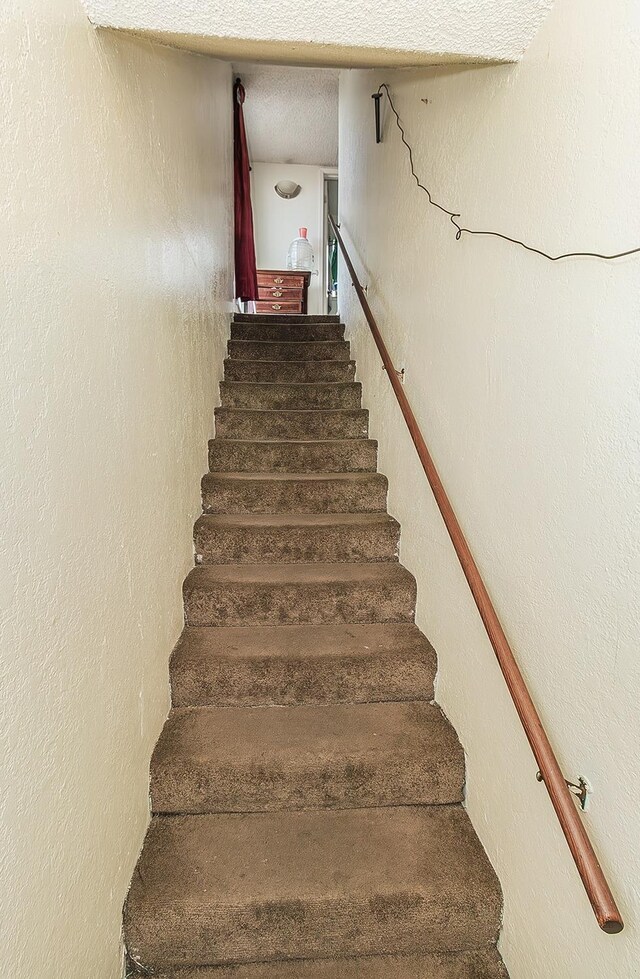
116,169
276,221
525,378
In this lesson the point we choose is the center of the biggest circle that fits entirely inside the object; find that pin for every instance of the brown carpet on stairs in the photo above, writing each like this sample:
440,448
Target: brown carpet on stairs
306,791
303,664
485,964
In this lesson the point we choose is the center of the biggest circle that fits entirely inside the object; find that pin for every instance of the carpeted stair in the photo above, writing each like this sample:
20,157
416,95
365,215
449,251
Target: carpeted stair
306,791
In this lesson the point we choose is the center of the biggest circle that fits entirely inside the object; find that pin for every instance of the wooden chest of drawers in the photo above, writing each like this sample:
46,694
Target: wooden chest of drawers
282,291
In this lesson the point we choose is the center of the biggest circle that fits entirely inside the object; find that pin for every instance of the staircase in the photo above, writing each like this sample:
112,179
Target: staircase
306,791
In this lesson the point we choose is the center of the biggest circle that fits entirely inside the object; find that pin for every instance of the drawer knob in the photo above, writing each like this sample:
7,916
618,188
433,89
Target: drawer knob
276,292
276,306
278,280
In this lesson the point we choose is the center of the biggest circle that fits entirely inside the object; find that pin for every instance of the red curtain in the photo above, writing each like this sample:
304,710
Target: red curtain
245,252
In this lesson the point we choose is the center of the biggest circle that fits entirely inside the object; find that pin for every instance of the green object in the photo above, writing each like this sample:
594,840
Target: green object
333,262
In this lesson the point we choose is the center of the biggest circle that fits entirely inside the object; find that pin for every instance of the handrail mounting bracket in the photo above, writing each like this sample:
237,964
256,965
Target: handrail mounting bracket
581,789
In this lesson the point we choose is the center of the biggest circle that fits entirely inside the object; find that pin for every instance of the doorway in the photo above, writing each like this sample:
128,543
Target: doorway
291,120
329,244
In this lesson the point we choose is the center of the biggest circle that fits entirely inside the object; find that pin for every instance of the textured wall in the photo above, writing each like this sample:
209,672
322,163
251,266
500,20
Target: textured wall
334,32
277,220
291,114
115,160
525,377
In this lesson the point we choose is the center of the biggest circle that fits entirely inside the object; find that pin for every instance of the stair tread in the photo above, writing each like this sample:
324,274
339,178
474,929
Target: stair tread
313,442
292,343
280,477
288,363
289,492
301,385
305,520
279,350
293,411
286,371
304,424
299,574
293,455
211,889
287,331
283,395
289,318
482,963
231,759
293,538
233,410
318,593
294,664
311,641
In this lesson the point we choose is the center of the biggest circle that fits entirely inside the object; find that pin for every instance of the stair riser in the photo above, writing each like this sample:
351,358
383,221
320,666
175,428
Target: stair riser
279,681
287,331
405,923
289,372
346,456
244,496
295,545
217,889
482,963
238,604
238,423
250,350
285,319
354,783
283,397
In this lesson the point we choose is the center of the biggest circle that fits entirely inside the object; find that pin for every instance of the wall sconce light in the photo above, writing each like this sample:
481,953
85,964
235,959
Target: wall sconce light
376,98
287,189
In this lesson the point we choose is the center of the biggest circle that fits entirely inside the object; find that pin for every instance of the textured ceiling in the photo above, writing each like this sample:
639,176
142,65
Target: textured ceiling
291,114
334,32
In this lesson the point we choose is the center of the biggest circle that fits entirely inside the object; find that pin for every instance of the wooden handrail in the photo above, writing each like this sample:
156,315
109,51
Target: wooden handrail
595,883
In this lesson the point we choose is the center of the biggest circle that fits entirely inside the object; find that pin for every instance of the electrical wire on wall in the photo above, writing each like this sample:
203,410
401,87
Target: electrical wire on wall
462,230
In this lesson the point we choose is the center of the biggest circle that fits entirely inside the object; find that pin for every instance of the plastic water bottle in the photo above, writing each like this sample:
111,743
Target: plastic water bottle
300,254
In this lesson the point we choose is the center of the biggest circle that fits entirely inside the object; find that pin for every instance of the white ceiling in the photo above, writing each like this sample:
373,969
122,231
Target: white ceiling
291,114
332,32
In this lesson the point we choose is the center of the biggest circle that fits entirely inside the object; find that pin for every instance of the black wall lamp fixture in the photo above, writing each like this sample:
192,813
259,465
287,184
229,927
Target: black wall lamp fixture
376,98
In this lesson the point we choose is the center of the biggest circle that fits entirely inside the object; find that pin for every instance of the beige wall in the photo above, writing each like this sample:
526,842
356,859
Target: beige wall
525,376
115,219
